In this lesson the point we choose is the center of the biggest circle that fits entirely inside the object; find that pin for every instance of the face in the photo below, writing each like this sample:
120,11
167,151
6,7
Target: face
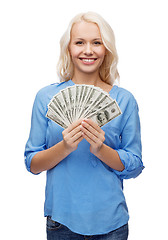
86,47
101,117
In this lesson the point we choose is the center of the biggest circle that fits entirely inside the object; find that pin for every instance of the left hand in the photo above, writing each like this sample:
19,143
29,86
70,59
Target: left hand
93,135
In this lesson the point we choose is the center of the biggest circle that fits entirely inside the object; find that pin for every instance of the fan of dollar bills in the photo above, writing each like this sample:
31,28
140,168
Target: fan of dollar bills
82,101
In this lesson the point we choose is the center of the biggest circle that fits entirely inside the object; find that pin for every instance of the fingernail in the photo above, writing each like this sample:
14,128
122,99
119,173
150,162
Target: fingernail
85,119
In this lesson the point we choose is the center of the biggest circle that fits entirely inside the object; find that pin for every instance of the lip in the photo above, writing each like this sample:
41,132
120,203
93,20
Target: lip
88,61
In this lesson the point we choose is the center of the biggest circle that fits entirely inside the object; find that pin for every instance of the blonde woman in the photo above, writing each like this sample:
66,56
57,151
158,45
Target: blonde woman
86,164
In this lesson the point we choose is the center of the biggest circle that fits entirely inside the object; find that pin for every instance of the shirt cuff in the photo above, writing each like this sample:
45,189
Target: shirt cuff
28,160
132,163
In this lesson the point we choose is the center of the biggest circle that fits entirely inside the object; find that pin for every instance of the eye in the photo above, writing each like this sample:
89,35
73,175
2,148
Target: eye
97,43
79,43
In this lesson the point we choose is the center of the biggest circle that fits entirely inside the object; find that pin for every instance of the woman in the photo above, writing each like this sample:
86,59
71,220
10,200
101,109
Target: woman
86,164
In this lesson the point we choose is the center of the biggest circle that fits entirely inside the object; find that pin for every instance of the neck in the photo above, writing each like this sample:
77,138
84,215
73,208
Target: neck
89,79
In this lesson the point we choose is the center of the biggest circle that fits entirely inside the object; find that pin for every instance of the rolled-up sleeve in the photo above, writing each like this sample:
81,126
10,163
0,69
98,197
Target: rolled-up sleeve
37,137
130,151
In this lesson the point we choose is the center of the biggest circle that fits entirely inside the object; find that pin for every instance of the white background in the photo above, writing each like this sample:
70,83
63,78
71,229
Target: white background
29,49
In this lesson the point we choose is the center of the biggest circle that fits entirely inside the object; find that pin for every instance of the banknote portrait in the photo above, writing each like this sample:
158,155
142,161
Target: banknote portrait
103,117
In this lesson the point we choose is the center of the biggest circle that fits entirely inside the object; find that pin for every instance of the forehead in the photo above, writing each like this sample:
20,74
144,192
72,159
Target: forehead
85,30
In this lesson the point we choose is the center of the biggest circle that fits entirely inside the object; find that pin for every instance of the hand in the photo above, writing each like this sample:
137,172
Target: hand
93,134
72,136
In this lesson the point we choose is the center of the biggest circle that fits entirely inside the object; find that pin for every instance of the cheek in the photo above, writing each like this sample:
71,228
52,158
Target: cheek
102,52
74,52
101,55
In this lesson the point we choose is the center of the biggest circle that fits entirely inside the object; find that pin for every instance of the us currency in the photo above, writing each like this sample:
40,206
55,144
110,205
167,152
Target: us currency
55,107
81,97
80,101
85,93
100,103
61,102
91,101
54,116
72,96
77,100
66,104
85,104
106,114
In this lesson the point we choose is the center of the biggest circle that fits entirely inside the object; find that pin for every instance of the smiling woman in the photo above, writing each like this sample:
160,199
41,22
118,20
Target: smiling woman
86,164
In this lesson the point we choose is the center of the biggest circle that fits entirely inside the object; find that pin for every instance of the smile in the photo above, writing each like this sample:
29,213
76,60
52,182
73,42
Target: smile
88,60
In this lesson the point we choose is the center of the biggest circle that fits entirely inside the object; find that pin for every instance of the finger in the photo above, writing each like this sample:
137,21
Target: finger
73,125
77,136
79,140
88,139
90,135
72,136
74,131
96,138
93,124
98,134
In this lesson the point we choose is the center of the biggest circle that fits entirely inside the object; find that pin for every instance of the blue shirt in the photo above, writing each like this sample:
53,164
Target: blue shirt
82,192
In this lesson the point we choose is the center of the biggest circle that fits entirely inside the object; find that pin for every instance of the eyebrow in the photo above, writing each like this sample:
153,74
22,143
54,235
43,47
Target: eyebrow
92,39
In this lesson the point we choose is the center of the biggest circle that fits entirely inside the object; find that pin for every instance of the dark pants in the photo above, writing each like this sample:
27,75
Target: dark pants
57,231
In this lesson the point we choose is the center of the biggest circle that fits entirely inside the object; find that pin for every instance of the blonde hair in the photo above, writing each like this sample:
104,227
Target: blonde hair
108,70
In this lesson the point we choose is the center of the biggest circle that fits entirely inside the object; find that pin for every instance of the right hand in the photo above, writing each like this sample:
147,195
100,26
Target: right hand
72,136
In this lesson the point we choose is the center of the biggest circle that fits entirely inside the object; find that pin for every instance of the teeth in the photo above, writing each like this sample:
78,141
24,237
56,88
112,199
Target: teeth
88,60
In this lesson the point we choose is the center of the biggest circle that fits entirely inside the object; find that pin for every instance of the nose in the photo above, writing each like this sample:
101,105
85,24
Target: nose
88,49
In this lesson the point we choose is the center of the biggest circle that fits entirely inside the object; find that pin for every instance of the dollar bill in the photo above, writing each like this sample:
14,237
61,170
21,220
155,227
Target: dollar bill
66,104
53,105
53,115
106,113
77,100
82,101
61,103
92,100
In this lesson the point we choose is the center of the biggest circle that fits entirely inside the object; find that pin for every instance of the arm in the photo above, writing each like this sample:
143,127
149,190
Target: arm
49,158
130,150
37,157
110,157
126,161
95,136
